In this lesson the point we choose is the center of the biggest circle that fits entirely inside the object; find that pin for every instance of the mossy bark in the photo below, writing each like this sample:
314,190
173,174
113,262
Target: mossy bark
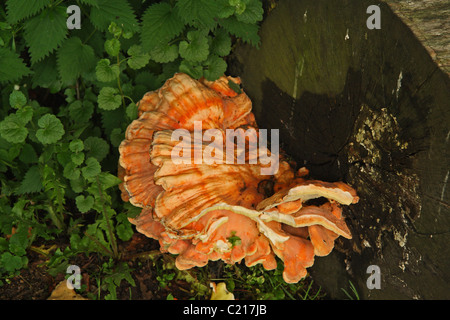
371,108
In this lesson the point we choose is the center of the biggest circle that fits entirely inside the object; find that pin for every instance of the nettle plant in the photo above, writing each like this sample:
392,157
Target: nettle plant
67,97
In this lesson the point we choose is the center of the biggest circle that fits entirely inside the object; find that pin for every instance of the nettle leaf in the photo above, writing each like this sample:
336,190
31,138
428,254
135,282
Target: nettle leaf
51,129
31,182
109,98
45,32
253,12
96,148
17,99
75,59
105,72
164,53
118,11
216,67
20,9
199,13
221,43
160,24
84,204
12,129
12,66
246,31
45,72
92,168
197,49
112,47
138,59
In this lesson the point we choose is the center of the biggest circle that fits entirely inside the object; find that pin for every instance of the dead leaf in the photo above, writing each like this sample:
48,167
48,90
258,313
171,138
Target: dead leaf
62,292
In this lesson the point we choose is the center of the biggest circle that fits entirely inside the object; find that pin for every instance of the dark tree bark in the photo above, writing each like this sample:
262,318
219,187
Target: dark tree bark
370,108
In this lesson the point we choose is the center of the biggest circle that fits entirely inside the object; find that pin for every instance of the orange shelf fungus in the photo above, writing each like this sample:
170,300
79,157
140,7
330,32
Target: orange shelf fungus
210,189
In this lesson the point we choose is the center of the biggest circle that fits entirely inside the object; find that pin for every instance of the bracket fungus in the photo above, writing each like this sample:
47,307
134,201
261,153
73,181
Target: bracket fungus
216,208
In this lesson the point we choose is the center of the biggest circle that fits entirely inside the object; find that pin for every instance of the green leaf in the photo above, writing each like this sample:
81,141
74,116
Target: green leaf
31,182
75,59
138,59
28,155
164,53
197,49
123,227
81,111
12,129
45,32
76,145
132,111
253,12
247,32
160,24
51,129
77,158
109,98
92,168
199,13
108,180
118,11
105,72
71,171
96,148
11,262
84,204
112,47
221,43
216,67
20,9
192,69
12,67
45,72
17,99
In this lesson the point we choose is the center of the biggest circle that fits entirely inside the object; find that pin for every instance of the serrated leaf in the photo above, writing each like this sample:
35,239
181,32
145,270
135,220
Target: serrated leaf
12,67
20,9
116,137
51,129
192,69
247,32
105,72
75,59
221,43
45,32
138,59
84,204
253,12
81,111
112,47
11,262
92,168
31,182
96,148
45,72
71,171
12,129
77,158
197,49
160,24
109,98
118,11
164,53
199,13
17,99
76,145
28,154
216,68
107,180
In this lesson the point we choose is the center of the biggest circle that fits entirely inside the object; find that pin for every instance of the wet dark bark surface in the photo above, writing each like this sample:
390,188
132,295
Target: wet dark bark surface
370,108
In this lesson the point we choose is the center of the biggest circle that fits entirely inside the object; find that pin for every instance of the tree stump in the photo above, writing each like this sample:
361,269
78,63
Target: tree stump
370,108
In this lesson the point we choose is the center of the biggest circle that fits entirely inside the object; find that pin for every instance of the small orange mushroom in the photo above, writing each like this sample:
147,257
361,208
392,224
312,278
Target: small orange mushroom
212,209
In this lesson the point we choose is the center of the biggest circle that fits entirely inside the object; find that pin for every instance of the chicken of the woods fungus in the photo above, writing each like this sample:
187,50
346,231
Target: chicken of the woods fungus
206,210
